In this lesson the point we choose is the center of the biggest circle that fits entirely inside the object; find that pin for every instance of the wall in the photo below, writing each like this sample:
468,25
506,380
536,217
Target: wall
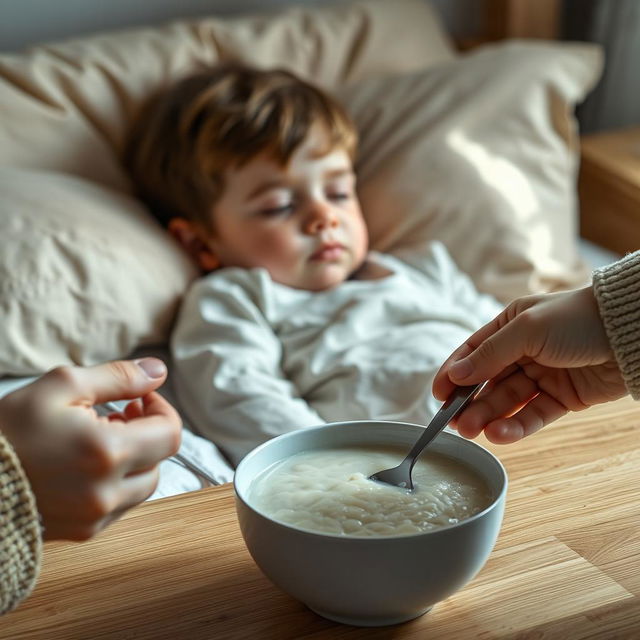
615,103
27,22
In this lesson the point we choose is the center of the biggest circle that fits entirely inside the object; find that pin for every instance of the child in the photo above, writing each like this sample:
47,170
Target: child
295,323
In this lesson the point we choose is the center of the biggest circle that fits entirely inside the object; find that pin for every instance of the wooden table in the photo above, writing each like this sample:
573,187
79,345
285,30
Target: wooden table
566,565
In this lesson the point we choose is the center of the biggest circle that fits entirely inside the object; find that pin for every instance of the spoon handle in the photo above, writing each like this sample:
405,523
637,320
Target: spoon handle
454,404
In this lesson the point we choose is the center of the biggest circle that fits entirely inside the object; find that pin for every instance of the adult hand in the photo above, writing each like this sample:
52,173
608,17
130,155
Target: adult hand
86,470
544,356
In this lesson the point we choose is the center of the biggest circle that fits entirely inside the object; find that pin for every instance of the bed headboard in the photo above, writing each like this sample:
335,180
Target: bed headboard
521,19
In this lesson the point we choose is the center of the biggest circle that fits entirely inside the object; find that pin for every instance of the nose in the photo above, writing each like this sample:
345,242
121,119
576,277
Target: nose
321,216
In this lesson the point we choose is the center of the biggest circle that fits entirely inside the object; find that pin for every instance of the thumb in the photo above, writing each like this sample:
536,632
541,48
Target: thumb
492,356
118,380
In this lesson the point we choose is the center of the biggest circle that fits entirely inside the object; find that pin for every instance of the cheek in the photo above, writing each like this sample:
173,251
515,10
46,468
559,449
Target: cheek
277,245
360,233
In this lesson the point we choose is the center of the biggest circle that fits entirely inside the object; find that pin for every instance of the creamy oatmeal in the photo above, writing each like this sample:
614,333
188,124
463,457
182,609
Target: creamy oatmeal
329,491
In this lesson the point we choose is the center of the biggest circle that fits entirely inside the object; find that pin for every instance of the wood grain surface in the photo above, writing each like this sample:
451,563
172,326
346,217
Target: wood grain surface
566,564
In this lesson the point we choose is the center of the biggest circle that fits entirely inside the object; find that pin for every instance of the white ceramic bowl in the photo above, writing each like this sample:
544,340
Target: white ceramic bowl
369,581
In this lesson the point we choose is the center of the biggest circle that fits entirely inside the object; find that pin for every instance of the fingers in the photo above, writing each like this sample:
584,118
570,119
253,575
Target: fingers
137,488
150,438
538,413
490,358
442,386
444,382
97,509
499,344
512,410
114,466
92,469
154,404
106,382
491,353
133,410
502,400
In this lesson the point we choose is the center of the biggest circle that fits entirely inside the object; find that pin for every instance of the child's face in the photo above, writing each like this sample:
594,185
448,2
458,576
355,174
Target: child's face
301,222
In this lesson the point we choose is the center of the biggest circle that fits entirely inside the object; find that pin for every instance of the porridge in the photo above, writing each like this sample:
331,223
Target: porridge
328,491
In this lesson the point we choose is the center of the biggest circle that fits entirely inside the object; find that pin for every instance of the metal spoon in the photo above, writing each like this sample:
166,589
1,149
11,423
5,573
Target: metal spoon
400,476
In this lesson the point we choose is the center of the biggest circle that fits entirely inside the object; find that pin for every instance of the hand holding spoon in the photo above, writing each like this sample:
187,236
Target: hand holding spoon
400,476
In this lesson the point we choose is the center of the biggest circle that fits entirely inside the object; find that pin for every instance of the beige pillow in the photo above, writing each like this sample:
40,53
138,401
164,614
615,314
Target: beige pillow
480,153
85,274
65,107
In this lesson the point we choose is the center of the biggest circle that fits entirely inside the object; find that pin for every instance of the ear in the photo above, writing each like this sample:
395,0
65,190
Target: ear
193,240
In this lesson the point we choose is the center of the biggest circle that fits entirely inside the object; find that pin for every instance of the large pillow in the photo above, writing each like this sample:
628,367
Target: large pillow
65,107
85,274
480,153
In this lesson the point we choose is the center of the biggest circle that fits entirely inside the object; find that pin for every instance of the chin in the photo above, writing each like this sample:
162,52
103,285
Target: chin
326,281
325,286
330,276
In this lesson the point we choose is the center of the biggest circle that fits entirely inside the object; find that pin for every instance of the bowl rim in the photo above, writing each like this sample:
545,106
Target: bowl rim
497,500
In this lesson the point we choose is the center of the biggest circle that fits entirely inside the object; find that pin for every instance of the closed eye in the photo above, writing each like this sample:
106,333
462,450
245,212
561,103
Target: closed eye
272,212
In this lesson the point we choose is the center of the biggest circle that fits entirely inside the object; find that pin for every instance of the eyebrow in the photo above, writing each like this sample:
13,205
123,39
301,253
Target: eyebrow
265,186
339,173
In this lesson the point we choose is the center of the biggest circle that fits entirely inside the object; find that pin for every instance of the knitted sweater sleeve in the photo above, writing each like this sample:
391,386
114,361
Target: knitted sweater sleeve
617,291
20,537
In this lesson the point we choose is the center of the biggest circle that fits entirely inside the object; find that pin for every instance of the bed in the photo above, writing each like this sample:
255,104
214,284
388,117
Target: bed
470,140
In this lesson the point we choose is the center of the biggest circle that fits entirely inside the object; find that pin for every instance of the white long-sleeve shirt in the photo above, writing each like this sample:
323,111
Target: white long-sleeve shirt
255,358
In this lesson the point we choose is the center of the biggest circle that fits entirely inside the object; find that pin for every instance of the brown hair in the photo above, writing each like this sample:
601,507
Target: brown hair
188,134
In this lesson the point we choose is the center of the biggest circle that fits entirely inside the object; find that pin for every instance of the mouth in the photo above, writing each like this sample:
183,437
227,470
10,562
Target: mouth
328,252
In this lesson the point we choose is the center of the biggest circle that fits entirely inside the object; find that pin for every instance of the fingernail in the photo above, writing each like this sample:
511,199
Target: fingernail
152,367
461,369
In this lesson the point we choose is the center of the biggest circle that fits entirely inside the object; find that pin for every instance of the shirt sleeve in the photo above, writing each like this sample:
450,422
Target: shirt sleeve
228,363
617,291
20,537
